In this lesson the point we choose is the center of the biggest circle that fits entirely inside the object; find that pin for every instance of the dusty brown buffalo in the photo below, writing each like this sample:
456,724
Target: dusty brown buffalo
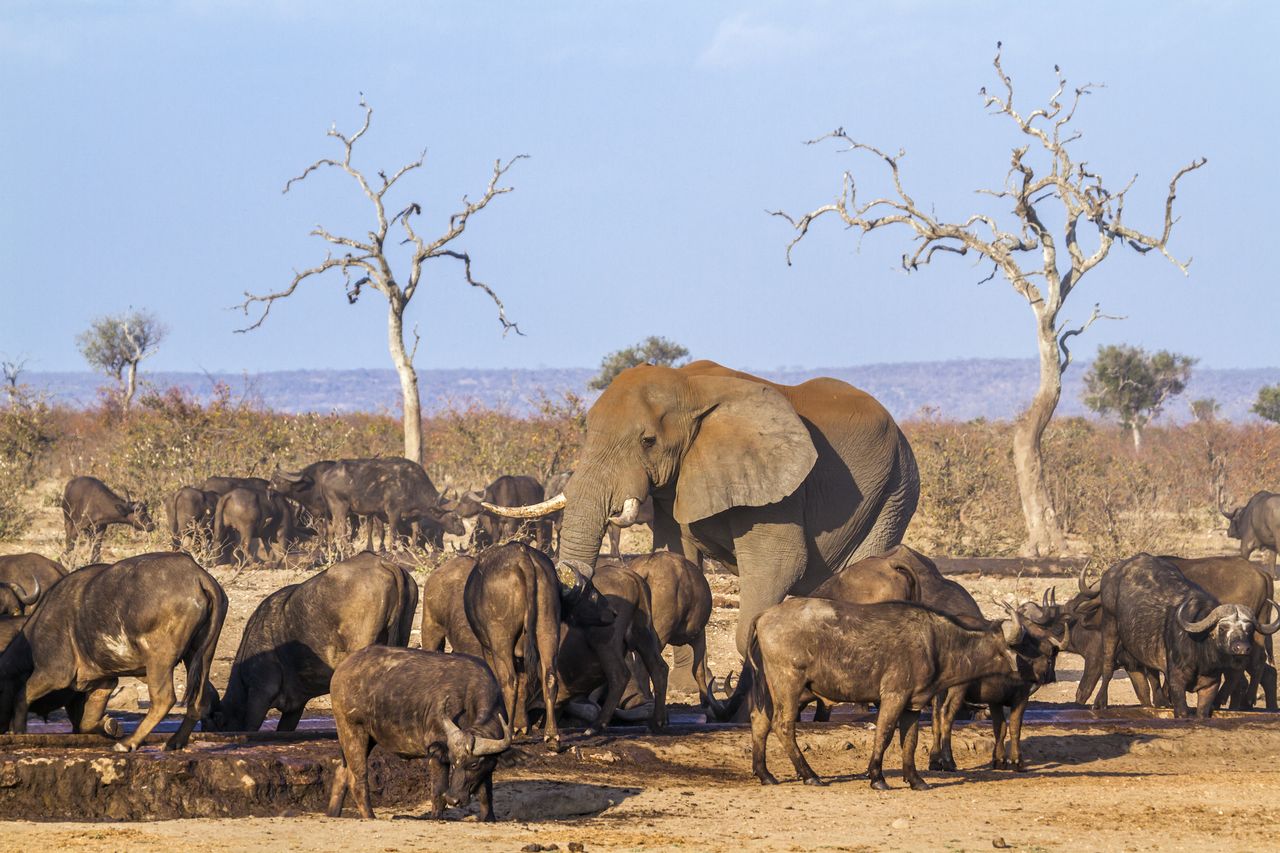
253,516
418,704
1169,624
24,579
513,598
221,485
681,609
1256,525
506,491
444,615
897,655
138,617
190,512
592,659
299,634
89,507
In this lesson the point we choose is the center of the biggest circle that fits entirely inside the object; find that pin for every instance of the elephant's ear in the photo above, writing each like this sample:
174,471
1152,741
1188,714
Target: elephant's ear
751,449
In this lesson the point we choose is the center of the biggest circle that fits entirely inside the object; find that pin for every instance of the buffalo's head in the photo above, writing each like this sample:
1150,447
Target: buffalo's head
14,600
1230,627
139,516
471,756
583,605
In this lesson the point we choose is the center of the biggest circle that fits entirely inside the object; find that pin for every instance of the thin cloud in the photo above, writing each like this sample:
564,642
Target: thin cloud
745,39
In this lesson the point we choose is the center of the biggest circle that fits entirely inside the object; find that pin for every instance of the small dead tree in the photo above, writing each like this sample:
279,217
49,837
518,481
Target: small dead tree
367,261
1043,263
13,369
116,344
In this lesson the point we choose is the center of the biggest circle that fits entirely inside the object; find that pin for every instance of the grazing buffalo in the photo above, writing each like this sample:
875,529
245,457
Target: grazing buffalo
444,615
302,489
681,609
906,575
391,490
419,704
1256,525
1171,625
299,634
32,574
138,617
512,600
593,659
897,654
89,507
191,513
506,491
253,515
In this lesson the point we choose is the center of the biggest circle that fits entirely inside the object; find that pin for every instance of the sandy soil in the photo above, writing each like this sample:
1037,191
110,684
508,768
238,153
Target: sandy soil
1135,784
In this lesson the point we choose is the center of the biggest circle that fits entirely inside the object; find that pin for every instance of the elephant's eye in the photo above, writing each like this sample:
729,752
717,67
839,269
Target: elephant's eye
648,441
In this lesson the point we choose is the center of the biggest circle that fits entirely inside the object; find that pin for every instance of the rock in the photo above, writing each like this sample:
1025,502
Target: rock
846,745
531,848
900,823
576,847
1001,844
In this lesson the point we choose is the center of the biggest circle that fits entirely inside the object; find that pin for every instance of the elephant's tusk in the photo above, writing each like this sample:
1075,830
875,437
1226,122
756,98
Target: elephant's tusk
537,510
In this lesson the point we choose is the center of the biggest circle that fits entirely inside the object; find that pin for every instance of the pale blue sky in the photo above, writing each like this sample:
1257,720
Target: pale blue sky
146,144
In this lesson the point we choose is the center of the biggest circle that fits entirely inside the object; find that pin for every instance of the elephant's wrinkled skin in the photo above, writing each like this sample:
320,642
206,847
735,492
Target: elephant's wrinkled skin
782,484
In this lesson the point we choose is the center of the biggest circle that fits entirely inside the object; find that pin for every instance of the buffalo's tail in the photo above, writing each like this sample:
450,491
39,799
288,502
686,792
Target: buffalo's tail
200,664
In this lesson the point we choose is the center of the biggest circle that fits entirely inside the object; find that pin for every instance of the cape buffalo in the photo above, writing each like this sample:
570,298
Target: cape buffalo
392,490
897,654
418,704
506,491
513,598
33,575
300,633
444,615
1169,624
138,617
191,512
1256,525
89,507
221,485
253,515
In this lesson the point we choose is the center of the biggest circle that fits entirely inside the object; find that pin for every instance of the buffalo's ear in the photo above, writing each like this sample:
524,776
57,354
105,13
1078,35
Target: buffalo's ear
438,752
751,449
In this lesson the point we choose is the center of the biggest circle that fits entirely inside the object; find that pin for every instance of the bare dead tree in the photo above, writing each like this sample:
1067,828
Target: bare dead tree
365,262
13,369
1029,254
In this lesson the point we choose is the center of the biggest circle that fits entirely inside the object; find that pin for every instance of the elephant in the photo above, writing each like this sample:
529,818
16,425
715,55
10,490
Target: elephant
781,484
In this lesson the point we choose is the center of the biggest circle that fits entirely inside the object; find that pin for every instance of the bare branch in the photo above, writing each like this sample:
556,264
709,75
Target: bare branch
507,325
269,299
1067,334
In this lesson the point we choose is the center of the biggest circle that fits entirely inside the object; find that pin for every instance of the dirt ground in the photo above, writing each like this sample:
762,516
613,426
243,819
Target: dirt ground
1136,782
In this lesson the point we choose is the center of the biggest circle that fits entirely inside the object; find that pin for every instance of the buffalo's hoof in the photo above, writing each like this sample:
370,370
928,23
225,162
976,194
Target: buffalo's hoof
918,784
999,764
945,765
766,778
880,785
815,781
111,727
122,747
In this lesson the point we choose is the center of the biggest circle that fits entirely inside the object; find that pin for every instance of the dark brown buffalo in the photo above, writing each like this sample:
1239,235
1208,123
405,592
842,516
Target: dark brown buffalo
506,491
391,490
89,507
681,609
1256,525
418,704
190,512
299,634
252,516
221,485
513,599
1171,625
592,659
907,575
444,615
24,579
138,617
897,654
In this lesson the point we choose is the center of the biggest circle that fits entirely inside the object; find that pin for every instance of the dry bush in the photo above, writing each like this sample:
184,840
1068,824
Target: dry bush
27,438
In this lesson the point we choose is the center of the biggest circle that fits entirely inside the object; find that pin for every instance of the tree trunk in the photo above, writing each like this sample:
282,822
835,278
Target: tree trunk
412,404
1137,437
1044,535
131,385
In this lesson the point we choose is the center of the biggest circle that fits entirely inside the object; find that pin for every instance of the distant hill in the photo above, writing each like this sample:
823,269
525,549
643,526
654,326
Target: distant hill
961,390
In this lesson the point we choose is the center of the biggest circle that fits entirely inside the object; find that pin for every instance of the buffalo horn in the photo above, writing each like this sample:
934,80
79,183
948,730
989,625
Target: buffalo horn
1202,624
1084,584
1271,627
27,599
456,739
1066,638
288,477
537,510
1012,628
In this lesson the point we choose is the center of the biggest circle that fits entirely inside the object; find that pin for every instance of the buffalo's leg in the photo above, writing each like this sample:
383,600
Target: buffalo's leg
887,714
651,655
945,708
289,720
1015,733
699,648
1107,659
38,685
338,793
437,776
784,723
160,688
1206,693
356,746
998,761
485,797
504,671
1143,687
547,638
1178,682
93,708
761,725
908,738
1268,679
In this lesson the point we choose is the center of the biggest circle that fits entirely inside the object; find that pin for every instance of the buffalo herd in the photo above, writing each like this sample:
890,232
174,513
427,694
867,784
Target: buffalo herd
527,650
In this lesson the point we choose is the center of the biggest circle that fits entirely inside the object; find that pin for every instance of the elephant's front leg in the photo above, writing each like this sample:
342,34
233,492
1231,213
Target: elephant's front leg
772,553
